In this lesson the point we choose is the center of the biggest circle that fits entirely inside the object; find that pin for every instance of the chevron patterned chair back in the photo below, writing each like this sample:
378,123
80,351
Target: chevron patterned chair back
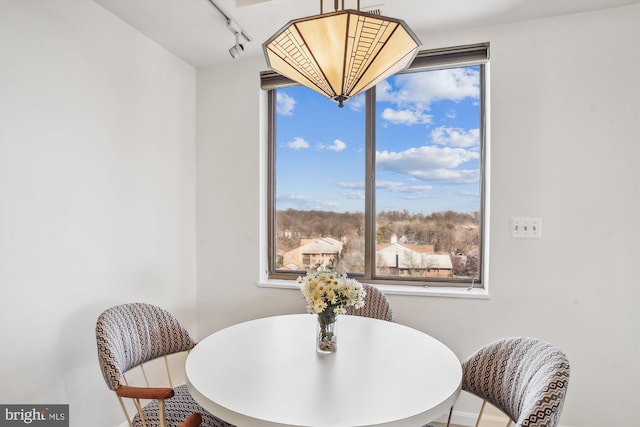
526,378
129,336
376,305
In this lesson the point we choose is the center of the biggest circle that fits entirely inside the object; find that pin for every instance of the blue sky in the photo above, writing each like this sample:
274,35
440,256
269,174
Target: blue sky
427,146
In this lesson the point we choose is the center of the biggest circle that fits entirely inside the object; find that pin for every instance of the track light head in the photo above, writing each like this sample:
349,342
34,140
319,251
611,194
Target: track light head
236,50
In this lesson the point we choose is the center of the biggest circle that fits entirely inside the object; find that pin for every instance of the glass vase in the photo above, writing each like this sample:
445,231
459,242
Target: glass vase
326,338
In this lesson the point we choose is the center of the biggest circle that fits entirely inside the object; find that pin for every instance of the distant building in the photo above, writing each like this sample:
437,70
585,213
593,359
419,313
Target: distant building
393,259
312,252
406,259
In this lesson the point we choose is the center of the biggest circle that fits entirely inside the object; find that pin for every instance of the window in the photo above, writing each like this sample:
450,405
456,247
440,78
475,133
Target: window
391,185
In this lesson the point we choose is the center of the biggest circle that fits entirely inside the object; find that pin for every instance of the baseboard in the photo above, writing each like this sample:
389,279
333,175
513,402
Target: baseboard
469,419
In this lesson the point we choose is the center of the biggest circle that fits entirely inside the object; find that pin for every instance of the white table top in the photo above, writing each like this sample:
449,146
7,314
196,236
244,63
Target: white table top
266,372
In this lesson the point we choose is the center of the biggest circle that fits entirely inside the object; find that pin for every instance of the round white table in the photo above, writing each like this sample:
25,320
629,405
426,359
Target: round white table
266,372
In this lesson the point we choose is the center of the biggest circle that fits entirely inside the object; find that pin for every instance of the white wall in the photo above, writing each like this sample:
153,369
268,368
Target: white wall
98,200
97,194
565,113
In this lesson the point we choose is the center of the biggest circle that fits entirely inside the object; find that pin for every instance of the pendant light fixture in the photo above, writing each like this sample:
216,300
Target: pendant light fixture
342,53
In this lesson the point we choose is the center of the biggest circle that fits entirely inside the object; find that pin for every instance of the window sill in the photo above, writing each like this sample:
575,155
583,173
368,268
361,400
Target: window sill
427,291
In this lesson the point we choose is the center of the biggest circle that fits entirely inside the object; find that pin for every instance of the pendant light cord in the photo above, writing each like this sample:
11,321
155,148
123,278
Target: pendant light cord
335,5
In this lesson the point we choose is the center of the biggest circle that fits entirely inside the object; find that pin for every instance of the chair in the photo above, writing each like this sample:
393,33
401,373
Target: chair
133,336
526,378
376,305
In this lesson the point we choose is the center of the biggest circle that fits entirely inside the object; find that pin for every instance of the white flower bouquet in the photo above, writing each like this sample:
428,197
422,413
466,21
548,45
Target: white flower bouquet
328,293
331,292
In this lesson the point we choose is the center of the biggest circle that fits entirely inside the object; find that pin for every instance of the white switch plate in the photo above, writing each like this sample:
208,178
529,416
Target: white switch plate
526,227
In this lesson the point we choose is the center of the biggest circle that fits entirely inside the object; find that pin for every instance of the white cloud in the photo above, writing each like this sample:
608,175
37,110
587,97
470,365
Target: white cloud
401,187
306,202
393,186
430,163
425,157
422,89
384,92
406,116
343,184
298,143
354,195
285,104
356,103
298,198
415,188
449,175
456,137
336,146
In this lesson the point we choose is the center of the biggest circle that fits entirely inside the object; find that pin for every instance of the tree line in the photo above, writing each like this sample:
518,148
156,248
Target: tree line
447,231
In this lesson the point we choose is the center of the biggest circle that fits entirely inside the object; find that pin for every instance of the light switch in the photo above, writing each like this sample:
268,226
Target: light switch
524,227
